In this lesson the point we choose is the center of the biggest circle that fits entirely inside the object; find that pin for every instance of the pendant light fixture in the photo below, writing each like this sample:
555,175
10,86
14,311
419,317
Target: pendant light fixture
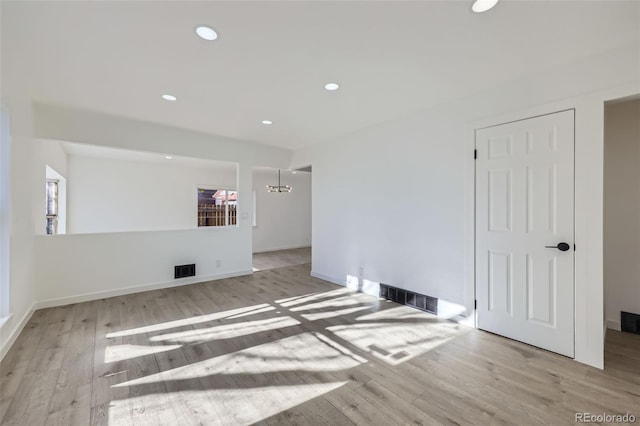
480,6
279,187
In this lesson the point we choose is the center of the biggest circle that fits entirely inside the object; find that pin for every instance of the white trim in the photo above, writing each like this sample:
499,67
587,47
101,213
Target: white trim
4,319
613,325
333,280
136,289
5,211
13,335
281,248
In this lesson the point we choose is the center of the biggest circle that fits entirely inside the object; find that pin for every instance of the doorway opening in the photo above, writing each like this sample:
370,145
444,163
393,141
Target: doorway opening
622,227
281,220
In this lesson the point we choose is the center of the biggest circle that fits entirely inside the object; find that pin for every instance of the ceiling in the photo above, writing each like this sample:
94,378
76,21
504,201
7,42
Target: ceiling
272,59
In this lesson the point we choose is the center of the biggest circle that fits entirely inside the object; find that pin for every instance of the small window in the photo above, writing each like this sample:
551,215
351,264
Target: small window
255,209
52,206
217,207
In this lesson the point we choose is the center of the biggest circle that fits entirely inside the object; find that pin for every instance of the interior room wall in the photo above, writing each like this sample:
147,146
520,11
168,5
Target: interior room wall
78,267
109,195
22,286
621,210
406,188
283,220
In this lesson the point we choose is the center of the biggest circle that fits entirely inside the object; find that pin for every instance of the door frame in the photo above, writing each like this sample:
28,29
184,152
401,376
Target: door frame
475,211
588,223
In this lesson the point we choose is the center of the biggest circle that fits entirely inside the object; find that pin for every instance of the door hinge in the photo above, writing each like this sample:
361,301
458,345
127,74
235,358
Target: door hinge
475,154
475,304
574,247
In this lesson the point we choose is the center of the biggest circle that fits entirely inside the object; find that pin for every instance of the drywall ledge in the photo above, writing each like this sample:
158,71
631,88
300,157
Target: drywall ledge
50,303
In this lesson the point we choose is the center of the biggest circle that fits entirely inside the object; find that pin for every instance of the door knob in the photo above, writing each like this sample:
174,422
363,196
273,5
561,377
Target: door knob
560,246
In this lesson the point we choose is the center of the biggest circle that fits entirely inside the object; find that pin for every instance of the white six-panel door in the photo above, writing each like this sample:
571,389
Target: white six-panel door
524,202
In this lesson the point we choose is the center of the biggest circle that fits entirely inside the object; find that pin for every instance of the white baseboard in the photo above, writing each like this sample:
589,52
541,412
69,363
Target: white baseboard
17,329
333,280
614,325
135,289
267,250
4,320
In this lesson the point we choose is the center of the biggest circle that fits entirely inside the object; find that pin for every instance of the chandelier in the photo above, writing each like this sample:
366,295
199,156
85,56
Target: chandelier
279,187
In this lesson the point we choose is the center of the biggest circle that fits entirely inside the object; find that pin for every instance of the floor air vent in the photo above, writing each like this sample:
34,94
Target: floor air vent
409,298
182,271
630,322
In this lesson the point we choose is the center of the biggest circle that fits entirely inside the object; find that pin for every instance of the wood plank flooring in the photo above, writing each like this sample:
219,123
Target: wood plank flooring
281,348
281,258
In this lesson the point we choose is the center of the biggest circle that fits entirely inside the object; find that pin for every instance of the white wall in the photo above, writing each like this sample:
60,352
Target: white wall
407,189
621,210
22,287
108,195
283,219
84,266
74,268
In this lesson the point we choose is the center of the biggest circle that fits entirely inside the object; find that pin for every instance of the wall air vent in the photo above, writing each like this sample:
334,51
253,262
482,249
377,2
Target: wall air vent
409,298
182,271
630,322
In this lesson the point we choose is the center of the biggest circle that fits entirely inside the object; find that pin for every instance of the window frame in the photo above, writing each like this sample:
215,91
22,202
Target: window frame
209,187
5,214
56,215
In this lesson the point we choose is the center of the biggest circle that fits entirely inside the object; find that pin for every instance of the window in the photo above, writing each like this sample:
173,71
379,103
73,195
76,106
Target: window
52,206
217,207
255,209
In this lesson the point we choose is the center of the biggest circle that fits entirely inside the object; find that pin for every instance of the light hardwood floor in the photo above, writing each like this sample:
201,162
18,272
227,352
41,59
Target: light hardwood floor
281,258
281,348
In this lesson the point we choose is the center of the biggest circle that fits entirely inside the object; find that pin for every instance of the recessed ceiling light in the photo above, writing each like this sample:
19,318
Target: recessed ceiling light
168,157
483,5
267,122
332,86
169,98
206,33
293,172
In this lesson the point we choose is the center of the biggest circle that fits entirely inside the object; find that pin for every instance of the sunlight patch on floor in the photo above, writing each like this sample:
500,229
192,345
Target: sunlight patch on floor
228,406
123,352
291,299
186,321
334,302
398,334
254,312
225,331
334,313
304,352
311,298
